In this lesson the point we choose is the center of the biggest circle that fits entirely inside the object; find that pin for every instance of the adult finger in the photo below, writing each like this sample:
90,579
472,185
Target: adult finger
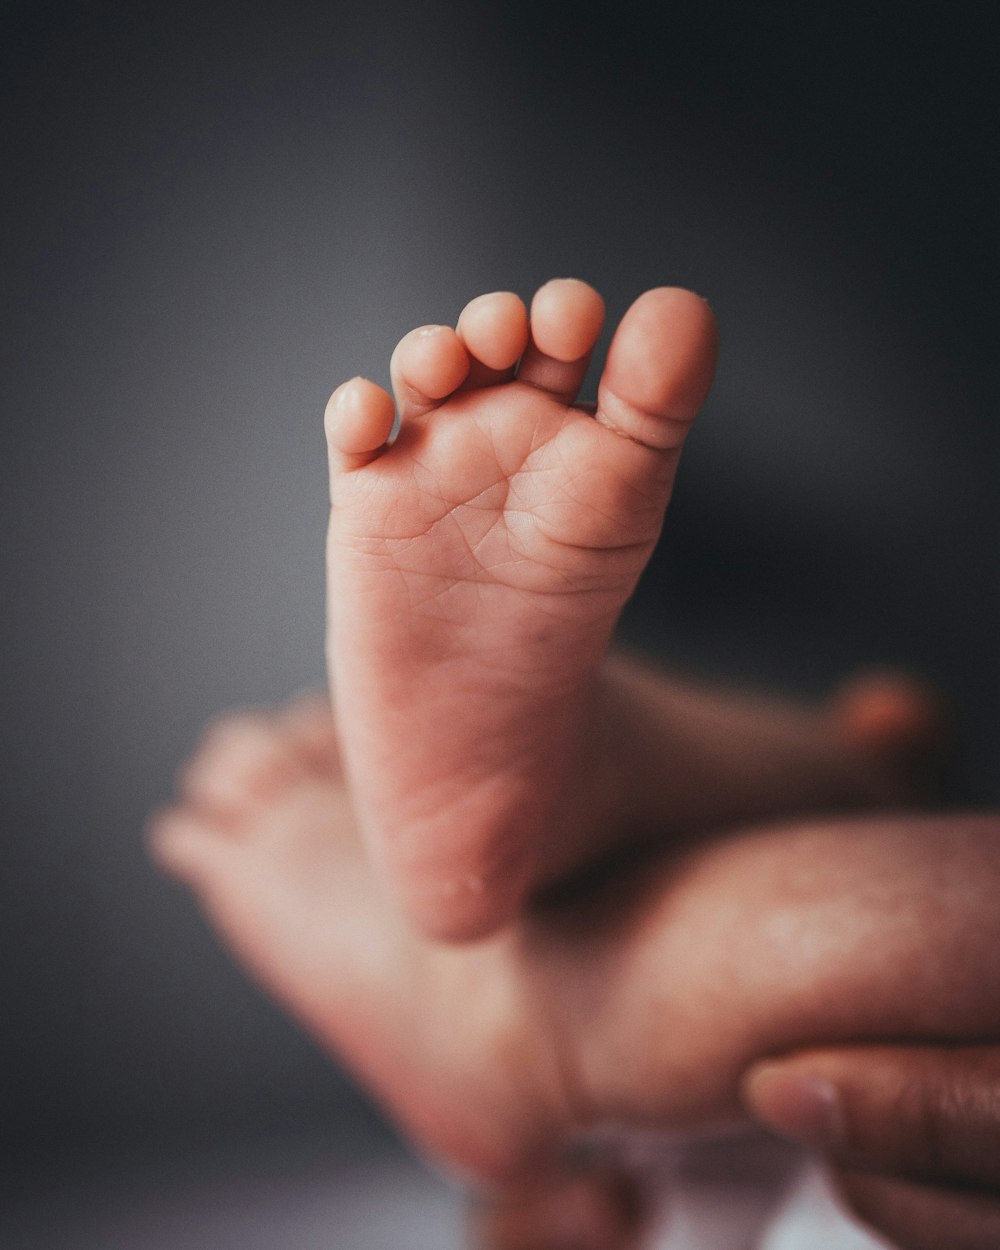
915,1113
915,1216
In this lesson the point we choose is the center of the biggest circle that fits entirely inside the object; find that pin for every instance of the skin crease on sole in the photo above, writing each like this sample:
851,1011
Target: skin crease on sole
477,567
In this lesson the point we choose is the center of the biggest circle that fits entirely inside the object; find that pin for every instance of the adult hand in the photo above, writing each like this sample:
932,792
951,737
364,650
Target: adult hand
912,1134
591,1210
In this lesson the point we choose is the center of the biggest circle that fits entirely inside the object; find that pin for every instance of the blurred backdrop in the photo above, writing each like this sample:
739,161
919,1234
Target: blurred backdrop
214,214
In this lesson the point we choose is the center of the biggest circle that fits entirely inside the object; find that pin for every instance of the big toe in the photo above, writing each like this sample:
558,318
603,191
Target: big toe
659,368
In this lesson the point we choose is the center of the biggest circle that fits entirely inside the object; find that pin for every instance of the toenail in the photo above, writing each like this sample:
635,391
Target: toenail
425,332
343,393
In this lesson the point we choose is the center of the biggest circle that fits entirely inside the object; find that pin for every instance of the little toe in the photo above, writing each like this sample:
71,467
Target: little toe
494,329
185,844
659,368
428,365
358,421
566,319
239,760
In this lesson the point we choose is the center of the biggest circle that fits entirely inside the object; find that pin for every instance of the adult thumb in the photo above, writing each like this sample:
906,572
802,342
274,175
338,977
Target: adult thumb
929,1113
912,1133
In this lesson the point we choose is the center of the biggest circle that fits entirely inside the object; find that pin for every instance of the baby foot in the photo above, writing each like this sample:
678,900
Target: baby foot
264,835
477,566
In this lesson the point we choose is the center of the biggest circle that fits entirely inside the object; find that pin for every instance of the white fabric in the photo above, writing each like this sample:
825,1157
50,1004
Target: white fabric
810,1217
745,1193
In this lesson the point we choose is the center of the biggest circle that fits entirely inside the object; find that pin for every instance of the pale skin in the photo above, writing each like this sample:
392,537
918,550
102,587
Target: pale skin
477,566
642,1004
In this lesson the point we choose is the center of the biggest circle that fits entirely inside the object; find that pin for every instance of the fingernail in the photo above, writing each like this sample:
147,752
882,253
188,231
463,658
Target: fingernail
806,1109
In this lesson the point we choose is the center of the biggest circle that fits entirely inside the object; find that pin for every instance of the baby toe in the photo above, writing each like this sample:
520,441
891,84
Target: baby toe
358,421
494,329
185,844
890,714
240,759
428,365
566,319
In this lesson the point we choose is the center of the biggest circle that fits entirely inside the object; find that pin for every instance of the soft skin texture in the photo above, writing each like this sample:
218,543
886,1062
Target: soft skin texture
641,1004
476,569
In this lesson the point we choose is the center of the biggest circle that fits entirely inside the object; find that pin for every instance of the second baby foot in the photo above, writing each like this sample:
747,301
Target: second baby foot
262,831
477,565
639,1005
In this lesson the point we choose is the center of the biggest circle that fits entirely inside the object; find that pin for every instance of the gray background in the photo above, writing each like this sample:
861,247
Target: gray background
210,219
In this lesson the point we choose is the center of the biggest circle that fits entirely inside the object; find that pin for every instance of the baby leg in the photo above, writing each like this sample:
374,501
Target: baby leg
494,1055
853,931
